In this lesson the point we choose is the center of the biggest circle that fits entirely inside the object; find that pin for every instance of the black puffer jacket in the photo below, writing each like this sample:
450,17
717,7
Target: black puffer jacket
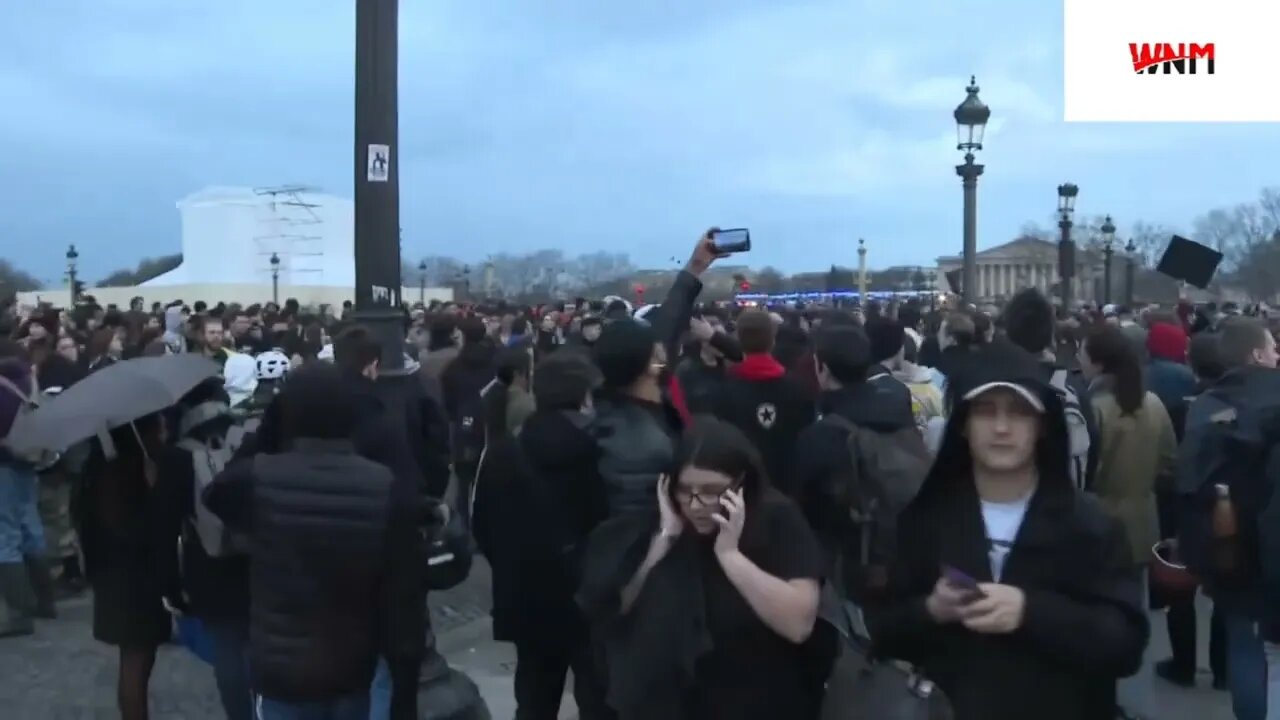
637,444
333,563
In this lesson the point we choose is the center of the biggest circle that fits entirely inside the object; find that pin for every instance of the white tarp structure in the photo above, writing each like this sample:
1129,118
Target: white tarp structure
229,234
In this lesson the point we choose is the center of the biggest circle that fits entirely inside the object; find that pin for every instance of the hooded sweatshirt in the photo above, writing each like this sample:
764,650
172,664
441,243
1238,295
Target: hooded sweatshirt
1084,621
240,378
173,337
926,398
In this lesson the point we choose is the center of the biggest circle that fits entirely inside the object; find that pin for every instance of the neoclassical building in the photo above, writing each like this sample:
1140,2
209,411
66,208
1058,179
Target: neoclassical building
1026,262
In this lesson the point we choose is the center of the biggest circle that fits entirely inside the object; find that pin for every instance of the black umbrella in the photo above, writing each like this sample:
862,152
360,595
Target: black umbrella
113,396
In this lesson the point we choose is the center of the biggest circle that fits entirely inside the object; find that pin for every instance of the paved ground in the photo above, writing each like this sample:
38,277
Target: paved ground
62,674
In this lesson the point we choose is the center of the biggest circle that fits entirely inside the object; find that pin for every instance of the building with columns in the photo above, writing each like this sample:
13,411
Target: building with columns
1026,262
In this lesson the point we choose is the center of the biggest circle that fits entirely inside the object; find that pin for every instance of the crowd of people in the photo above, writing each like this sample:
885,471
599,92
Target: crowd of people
696,510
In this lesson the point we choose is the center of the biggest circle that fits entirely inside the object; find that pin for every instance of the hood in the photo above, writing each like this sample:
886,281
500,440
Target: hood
240,377
758,367
558,440
1167,342
1001,362
173,319
870,404
476,355
914,374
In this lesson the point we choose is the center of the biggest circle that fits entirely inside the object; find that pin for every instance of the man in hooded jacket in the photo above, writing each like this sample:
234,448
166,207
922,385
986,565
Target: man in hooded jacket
1011,590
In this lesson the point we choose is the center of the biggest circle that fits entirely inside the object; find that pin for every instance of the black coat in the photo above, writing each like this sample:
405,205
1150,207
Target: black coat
771,409
334,571
538,495
1084,623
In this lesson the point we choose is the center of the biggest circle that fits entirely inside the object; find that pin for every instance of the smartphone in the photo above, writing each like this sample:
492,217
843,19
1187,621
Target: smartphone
961,581
734,240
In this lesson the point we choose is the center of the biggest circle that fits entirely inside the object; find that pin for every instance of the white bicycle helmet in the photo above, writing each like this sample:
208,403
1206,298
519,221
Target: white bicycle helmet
272,365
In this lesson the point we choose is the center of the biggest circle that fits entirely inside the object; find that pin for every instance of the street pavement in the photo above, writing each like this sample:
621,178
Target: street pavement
61,673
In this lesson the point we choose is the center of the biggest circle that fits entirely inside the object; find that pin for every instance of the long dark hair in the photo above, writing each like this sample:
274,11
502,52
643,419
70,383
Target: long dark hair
511,363
718,446
1110,349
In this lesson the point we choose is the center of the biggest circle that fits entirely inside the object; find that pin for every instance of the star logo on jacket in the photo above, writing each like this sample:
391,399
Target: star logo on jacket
766,415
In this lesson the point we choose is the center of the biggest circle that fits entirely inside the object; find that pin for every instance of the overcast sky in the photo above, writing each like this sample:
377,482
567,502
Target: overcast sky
582,125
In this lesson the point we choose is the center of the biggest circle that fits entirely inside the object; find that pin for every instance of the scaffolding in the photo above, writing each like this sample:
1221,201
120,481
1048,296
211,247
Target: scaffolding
291,231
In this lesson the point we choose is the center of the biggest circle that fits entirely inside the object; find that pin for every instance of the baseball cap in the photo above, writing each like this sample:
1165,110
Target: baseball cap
1032,398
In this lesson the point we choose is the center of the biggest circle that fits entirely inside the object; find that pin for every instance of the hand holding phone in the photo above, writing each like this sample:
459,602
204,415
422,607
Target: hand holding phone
733,240
962,582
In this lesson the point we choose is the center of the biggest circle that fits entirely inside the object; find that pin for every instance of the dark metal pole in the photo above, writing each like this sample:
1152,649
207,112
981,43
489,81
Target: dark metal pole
969,172
275,285
1066,264
1107,252
377,178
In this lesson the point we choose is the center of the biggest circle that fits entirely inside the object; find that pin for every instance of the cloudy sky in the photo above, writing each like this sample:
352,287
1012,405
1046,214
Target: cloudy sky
582,125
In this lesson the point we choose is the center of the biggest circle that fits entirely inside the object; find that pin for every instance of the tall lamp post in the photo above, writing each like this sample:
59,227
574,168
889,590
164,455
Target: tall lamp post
377,179
275,278
1130,270
72,276
422,282
862,272
971,123
1108,238
1067,193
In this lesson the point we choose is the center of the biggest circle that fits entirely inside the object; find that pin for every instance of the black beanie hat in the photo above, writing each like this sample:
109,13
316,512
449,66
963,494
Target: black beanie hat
623,351
886,338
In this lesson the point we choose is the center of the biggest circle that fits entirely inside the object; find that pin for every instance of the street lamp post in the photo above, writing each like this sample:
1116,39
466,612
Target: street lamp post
971,123
1108,237
1067,193
275,279
466,282
377,179
422,282
72,275
862,272
1130,270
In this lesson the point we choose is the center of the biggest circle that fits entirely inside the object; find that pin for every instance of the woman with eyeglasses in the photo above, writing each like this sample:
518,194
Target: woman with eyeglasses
705,607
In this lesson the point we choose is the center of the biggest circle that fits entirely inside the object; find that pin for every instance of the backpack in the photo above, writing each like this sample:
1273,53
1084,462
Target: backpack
1224,444
888,471
208,458
1077,429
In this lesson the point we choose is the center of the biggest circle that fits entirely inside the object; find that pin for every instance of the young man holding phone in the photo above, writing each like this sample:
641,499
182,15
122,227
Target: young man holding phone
1011,590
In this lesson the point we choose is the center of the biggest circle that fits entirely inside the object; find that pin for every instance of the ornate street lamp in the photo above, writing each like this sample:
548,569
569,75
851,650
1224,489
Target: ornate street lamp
422,282
72,279
275,278
1129,271
862,272
971,117
1067,193
1108,238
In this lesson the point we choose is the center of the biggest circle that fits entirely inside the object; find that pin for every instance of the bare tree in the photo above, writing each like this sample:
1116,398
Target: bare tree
597,268
147,269
1219,229
441,271
14,280
1149,241
770,280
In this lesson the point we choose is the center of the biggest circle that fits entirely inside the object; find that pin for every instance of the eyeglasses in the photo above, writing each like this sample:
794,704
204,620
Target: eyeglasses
696,498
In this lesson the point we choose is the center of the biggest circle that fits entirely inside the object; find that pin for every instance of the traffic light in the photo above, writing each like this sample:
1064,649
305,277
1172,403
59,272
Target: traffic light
639,291
744,286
